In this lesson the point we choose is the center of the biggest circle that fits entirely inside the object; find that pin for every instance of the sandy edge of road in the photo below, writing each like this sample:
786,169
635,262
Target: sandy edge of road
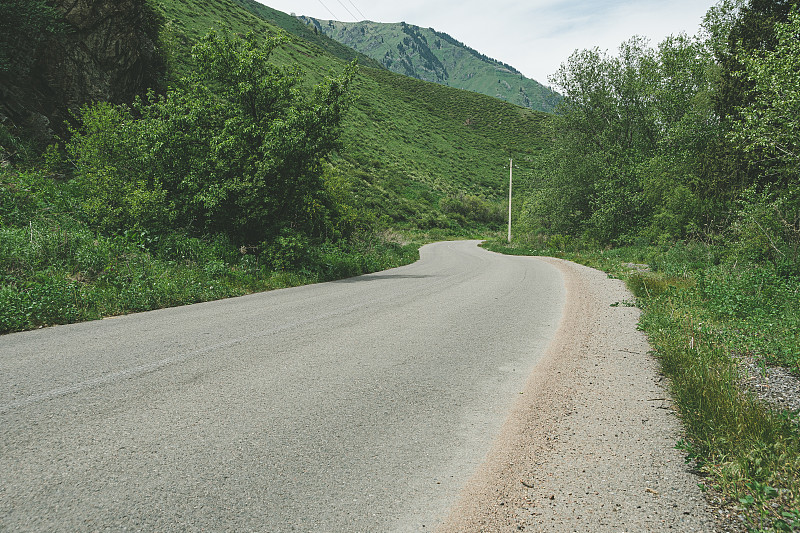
590,444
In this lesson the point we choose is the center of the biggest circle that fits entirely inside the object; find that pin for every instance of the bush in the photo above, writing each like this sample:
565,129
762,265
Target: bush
44,301
234,149
121,191
767,228
472,208
290,251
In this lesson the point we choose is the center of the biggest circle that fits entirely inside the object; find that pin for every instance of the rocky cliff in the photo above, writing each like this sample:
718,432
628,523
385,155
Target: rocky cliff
100,50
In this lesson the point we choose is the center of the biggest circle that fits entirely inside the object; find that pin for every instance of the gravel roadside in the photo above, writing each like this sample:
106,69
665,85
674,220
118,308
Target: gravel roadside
590,445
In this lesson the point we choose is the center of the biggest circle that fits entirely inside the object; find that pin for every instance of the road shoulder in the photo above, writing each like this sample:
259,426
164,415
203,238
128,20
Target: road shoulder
590,444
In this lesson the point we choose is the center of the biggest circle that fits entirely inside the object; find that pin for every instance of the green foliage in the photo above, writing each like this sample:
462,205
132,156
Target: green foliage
749,451
56,269
289,251
747,28
767,228
647,285
642,151
742,35
235,149
702,308
633,143
601,134
760,308
769,124
472,208
47,300
115,169
410,144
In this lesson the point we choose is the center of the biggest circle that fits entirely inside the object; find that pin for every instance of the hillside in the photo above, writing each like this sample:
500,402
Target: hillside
193,198
430,55
408,144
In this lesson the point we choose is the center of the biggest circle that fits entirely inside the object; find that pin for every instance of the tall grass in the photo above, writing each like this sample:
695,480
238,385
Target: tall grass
75,276
749,451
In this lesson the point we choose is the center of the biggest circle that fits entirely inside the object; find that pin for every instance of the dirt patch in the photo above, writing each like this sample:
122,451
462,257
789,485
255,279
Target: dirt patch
590,445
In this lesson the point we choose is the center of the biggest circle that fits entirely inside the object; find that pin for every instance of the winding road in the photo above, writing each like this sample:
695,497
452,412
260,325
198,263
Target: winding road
364,404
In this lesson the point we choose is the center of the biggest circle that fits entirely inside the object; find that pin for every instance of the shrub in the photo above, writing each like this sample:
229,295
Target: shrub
472,208
234,149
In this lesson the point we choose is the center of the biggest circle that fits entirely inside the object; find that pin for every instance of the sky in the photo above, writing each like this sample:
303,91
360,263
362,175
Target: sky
534,36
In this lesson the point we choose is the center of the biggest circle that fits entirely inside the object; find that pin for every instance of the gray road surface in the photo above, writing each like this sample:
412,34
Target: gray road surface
358,405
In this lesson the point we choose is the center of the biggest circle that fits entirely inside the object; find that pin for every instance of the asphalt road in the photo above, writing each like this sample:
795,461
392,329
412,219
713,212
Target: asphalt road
358,405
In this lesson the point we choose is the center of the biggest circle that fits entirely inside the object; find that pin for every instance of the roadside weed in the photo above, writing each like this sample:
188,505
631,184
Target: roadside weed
701,314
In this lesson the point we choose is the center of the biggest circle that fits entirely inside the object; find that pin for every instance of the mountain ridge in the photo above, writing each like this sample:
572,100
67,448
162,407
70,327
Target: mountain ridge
430,55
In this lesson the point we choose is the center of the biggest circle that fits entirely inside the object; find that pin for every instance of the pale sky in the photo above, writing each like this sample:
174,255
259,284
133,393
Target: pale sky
533,36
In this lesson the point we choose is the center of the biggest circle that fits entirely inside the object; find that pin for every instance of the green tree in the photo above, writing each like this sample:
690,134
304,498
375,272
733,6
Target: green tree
770,124
768,131
751,30
737,29
634,144
122,189
677,179
603,131
236,148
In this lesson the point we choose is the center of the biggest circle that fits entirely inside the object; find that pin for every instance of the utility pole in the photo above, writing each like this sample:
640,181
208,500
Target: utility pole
510,179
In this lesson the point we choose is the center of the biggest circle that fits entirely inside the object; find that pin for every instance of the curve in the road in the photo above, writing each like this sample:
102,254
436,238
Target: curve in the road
359,405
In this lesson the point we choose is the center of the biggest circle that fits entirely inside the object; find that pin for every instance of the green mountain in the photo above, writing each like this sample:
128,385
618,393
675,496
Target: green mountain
410,147
429,55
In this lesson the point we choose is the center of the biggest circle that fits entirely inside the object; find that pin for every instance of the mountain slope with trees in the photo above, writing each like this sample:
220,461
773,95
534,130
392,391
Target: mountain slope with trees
409,147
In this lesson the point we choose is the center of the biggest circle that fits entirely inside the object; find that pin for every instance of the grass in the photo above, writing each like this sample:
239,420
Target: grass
700,312
64,275
56,269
